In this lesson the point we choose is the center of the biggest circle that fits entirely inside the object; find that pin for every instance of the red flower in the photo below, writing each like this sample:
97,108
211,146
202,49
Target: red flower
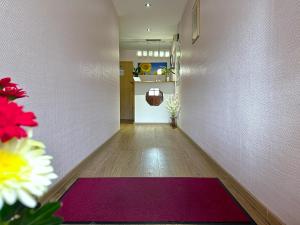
12,117
10,90
12,93
6,82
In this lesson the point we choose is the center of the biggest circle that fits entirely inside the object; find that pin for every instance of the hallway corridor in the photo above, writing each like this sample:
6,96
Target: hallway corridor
148,151
158,151
210,91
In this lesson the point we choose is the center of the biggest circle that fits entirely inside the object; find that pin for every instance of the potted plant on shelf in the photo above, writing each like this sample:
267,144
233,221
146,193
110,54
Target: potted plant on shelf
167,72
173,107
25,169
136,71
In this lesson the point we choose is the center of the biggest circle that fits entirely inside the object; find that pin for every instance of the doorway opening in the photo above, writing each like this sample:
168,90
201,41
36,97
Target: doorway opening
126,92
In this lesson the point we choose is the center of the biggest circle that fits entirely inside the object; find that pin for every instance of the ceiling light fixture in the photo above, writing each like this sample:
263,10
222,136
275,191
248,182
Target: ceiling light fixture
153,53
148,4
161,53
148,29
139,53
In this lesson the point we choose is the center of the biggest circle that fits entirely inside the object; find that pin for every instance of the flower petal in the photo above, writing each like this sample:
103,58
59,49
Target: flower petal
9,196
1,203
26,199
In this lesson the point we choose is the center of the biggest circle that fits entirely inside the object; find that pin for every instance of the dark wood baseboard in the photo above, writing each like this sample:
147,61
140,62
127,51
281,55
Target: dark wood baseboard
236,187
63,185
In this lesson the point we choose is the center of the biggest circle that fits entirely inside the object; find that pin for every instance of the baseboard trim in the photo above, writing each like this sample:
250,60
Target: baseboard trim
229,180
63,185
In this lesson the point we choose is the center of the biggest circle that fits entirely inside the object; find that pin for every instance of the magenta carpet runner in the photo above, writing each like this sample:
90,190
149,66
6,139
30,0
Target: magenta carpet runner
151,200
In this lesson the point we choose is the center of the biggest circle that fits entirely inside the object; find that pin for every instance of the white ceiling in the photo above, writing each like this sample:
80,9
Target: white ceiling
162,18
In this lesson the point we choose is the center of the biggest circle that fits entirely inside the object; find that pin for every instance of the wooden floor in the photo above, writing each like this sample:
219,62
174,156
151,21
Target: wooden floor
157,151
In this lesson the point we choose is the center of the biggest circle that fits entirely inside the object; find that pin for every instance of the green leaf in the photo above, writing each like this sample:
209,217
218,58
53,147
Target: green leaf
9,211
39,216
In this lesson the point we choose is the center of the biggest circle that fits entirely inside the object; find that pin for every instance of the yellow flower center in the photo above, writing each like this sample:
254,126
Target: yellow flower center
13,166
146,67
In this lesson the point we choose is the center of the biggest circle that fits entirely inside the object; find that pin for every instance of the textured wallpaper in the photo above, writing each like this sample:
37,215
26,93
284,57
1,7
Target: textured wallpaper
240,94
65,54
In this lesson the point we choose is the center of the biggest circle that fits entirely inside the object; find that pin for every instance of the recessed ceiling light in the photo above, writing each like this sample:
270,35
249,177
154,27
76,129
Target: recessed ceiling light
148,4
148,29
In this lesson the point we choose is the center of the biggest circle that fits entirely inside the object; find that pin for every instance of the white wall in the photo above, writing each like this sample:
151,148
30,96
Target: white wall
65,54
240,95
144,113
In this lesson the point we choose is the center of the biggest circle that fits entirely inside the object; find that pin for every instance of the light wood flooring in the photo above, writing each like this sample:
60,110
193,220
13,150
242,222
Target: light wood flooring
158,151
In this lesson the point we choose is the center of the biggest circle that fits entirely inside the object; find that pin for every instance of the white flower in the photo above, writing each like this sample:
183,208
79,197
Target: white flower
25,172
173,106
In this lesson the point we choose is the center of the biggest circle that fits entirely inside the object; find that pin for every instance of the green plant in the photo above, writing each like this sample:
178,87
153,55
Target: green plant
167,71
173,106
18,214
136,71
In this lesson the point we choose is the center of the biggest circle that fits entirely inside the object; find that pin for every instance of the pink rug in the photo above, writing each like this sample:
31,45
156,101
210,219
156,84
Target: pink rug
151,200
